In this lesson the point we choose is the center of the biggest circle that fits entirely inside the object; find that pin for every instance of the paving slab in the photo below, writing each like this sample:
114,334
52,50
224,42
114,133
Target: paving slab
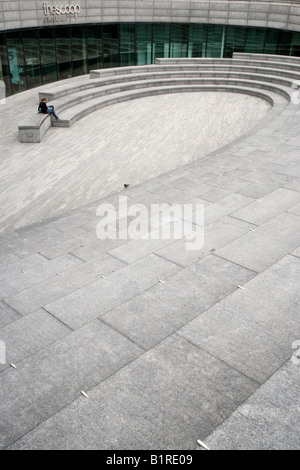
25,264
50,247
29,335
103,295
162,309
32,277
295,209
296,252
265,183
266,421
150,317
216,235
172,393
225,206
253,328
293,184
137,249
52,378
35,288
7,314
269,243
268,206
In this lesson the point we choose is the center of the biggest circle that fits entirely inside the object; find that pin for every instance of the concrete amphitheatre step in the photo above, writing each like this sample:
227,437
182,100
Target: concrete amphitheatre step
109,86
269,75
148,80
86,100
118,74
185,62
74,113
278,58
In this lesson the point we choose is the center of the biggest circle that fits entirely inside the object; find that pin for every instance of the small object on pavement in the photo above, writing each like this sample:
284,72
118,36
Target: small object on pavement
201,444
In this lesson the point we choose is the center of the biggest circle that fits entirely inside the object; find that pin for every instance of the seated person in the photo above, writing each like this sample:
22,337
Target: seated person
43,108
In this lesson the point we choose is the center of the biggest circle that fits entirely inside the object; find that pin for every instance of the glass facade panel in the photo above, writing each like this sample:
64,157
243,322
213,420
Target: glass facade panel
179,40
127,44
161,41
143,44
280,42
4,69
271,43
94,47
79,51
63,53
38,56
295,44
16,62
285,41
235,40
215,41
111,46
48,55
197,41
32,58
255,40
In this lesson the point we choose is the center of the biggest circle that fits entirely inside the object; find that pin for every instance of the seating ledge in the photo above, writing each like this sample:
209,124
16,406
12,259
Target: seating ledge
83,109
90,85
33,128
267,57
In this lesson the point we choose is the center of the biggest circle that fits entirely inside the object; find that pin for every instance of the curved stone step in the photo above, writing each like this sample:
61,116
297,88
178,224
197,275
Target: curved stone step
284,77
90,94
32,131
268,57
83,93
73,114
187,62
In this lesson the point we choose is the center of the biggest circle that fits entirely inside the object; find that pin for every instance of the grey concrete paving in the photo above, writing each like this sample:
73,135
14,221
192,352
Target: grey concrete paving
170,345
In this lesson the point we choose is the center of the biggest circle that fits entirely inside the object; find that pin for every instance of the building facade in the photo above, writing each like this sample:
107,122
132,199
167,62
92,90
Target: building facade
45,41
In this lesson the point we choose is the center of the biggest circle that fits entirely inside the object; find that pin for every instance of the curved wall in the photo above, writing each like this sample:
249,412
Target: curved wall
268,14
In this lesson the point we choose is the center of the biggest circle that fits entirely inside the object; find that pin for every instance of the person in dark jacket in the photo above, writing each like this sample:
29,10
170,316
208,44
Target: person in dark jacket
43,108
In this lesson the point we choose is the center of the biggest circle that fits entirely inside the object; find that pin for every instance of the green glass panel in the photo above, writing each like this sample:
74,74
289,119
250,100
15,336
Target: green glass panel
285,48
94,47
278,42
4,68
234,40
161,41
255,40
16,62
143,44
179,40
111,46
48,55
295,44
272,42
215,41
32,58
63,52
79,50
197,41
127,47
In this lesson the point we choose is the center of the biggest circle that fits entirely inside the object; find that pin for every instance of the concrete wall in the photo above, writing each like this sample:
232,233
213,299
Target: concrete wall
273,14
